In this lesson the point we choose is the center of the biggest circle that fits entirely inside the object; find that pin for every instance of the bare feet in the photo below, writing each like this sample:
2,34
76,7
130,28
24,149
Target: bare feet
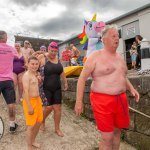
59,133
30,148
42,127
36,145
21,99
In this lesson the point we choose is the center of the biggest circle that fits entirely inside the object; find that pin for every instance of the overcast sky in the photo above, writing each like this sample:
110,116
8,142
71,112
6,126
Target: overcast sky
58,19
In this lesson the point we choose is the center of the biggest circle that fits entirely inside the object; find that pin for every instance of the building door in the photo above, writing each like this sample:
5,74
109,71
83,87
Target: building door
128,44
129,31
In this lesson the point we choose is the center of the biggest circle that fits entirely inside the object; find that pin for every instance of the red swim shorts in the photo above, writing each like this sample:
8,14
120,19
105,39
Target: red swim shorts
110,111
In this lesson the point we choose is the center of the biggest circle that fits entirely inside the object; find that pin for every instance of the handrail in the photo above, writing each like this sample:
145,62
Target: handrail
147,116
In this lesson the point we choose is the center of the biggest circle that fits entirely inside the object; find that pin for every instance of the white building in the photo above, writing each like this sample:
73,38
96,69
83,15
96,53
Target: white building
136,22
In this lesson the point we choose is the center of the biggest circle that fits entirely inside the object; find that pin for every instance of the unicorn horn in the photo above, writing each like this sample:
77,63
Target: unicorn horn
94,17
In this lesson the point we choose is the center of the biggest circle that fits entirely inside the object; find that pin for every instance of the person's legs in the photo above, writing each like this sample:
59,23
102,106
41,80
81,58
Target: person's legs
35,132
11,111
138,61
10,98
134,64
67,64
20,86
47,110
110,140
106,142
63,63
30,135
122,119
33,121
15,80
57,118
116,139
12,119
106,119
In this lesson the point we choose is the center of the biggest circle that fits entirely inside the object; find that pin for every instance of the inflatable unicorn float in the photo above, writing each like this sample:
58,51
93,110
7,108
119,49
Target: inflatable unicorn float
91,35
91,41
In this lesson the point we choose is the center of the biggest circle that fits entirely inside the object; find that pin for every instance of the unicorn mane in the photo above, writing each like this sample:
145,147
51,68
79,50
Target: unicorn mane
83,36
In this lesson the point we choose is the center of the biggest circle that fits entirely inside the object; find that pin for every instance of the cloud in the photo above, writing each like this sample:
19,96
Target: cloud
59,18
30,3
66,23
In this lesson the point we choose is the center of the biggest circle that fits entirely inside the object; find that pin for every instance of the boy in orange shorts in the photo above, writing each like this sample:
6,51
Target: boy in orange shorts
31,102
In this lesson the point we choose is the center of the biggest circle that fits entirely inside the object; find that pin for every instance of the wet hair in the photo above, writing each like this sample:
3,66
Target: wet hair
139,37
71,45
32,58
2,33
18,43
26,41
107,28
67,47
43,47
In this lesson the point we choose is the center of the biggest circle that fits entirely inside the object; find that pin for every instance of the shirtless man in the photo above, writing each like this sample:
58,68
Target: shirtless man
31,102
27,50
108,98
75,55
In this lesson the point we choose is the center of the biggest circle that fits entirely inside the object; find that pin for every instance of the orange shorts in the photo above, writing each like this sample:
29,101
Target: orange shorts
110,111
31,120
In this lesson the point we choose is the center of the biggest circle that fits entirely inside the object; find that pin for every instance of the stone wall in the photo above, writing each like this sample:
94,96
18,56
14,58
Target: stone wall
139,132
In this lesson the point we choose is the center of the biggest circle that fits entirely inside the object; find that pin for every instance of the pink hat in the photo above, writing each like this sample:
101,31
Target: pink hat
53,45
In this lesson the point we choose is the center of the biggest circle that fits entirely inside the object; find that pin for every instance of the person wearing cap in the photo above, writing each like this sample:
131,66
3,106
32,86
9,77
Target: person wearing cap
53,72
43,48
27,50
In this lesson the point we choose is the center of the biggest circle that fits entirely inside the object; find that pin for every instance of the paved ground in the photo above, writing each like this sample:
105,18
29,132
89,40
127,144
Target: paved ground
80,134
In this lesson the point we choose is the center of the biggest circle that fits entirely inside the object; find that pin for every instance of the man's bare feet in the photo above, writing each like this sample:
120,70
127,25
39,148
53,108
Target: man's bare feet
42,127
59,133
29,147
36,145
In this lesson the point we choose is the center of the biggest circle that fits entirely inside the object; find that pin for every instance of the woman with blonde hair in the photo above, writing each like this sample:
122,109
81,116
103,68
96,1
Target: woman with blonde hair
19,64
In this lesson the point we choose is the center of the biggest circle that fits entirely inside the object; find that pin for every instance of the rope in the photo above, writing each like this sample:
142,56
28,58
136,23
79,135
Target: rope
139,112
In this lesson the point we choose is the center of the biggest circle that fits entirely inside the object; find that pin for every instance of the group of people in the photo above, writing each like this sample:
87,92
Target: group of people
41,80
38,75
135,52
69,56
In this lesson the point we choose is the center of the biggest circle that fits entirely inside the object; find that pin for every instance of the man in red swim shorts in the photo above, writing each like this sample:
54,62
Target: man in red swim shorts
108,90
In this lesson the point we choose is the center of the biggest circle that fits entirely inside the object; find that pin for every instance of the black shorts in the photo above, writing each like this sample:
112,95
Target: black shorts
53,97
8,91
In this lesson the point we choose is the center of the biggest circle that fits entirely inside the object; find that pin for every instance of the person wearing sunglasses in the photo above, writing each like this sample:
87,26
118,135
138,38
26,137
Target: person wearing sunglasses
43,48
